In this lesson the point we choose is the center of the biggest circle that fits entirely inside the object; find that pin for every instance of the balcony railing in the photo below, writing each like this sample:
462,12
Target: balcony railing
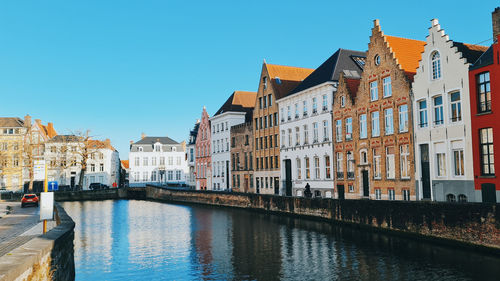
350,175
340,175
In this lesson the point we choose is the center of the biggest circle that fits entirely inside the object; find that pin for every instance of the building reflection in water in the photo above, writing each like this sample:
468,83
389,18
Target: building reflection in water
143,240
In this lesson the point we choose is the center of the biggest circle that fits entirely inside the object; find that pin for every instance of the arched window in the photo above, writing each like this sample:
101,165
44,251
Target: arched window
450,198
436,65
462,198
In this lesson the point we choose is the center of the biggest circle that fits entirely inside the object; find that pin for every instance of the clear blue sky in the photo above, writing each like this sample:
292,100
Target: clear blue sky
119,68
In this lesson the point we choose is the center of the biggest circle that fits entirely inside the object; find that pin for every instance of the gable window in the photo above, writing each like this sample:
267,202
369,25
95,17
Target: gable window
404,153
373,91
456,107
348,128
342,101
403,118
315,105
338,130
299,172
340,166
306,135
325,102
438,110
389,123
387,87
483,92
436,66
264,82
362,127
375,124
486,151
326,133
422,113
389,163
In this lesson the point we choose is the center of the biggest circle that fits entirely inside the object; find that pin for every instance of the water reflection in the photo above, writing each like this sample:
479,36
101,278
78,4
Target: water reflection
141,240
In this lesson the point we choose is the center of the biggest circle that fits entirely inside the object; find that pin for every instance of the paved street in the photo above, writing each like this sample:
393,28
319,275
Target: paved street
16,227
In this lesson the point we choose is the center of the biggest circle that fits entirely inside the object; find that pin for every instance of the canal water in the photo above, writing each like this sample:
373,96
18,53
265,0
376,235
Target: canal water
143,240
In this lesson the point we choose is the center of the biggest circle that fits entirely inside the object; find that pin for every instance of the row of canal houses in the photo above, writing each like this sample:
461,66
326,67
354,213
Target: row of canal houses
405,120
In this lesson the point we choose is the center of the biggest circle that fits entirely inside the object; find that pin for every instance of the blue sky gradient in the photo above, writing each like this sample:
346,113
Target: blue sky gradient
119,68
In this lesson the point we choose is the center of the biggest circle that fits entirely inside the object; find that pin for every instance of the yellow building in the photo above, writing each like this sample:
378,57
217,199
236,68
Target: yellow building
12,132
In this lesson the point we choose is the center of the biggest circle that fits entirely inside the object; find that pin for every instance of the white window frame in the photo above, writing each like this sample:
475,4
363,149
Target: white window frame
387,86
404,154
458,106
374,90
389,121
390,163
348,128
403,118
338,130
438,109
460,162
363,129
375,123
422,114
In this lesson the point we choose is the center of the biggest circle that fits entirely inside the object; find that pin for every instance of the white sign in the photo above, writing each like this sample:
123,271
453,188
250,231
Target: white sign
39,170
46,205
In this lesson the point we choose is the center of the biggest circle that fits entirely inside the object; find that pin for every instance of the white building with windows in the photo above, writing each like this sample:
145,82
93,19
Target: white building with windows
103,164
236,110
306,152
157,161
191,156
441,106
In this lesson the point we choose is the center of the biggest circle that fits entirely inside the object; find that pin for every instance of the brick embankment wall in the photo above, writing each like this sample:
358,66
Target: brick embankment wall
472,224
47,257
91,195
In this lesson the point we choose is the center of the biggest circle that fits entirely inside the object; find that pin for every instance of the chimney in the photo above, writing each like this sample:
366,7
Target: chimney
50,129
143,135
38,121
27,120
495,21
107,142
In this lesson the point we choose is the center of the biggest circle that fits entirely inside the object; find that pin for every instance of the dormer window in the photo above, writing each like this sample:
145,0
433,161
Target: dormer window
436,65
157,147
174,149
140,148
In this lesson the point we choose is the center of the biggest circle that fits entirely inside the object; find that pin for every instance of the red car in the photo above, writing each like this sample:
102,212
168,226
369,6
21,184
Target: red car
29,199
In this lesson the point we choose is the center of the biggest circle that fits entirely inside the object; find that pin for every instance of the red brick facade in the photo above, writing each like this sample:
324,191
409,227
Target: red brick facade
203,168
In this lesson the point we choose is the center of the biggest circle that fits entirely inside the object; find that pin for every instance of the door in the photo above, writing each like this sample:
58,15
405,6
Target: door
277,186
366,186
227,175
72,183
288,177
426,173
340,191
488,193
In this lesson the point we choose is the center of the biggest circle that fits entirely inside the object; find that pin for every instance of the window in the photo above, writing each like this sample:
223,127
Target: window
270,120
340,165
456,107
375,124
342,101
275,118
350,165
306,135
315,132
265,102
326,132
325,102
451,198
299,172
315,105
308,174
316,167
348,128
362,127
327,167
351,188
387,86
389,163
438,110
363,157
289,137
265,121
170,160
422,113
378,194
458,162
304,108
282,114
441,164
136,162
406,194
270,100
404,154
377,60
297,136
436,66
373,91
289,113
403,118
391,194
483,92
282,138
276,161
145,161
389,123
462,198
145,176
486,151
162,160
178,175
260,102
101,167
178,161
270,141
296,111
170,175
376,164
264,82
338,130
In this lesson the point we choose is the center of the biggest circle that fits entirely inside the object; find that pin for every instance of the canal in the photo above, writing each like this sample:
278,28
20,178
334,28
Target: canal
144,240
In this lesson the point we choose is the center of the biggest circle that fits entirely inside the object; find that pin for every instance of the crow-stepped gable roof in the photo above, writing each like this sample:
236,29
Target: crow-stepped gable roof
330,70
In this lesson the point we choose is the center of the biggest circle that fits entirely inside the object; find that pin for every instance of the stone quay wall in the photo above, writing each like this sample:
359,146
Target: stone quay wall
47,257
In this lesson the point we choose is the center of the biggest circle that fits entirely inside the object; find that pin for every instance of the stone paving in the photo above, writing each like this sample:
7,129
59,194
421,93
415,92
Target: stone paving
16,228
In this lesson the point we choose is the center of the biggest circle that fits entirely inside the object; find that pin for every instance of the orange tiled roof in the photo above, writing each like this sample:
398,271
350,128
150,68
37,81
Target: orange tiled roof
100,144
245,99
124,163
406,51
49,130
291,73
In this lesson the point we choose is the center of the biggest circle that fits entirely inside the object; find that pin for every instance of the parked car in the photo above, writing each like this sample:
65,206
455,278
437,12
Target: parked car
97,186
29,199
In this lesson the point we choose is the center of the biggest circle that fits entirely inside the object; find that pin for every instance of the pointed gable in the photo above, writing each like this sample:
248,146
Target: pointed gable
285,78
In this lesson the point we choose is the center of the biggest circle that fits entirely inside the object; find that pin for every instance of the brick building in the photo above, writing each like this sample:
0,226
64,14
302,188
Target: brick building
242,157
373,135
484,81
275,82
203,155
